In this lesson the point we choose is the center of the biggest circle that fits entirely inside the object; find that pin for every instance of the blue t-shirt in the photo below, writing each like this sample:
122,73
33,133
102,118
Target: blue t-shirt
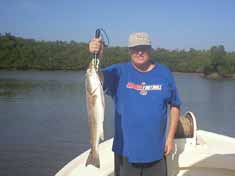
141,100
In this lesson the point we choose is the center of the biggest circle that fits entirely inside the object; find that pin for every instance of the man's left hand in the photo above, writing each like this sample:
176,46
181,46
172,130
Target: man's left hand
169,146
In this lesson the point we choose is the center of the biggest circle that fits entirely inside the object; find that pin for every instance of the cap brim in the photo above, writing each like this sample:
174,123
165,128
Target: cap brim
130,46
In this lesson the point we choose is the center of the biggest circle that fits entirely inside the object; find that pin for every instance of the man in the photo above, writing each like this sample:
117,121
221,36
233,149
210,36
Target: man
141,90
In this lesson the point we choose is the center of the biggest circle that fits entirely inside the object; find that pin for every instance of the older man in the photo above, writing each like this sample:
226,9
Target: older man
141,90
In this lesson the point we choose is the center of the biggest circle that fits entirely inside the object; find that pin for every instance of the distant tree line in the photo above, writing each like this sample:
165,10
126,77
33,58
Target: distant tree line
20,53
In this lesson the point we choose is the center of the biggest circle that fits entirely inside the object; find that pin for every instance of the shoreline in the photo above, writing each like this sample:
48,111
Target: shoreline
213,76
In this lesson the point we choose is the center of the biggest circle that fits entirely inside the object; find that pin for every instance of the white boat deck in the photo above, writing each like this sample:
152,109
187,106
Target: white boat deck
204,154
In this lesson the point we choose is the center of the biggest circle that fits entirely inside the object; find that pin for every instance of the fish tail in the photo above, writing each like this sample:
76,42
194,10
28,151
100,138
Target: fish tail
93,159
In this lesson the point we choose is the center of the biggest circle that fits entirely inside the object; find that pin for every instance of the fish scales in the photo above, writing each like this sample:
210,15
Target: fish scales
95,109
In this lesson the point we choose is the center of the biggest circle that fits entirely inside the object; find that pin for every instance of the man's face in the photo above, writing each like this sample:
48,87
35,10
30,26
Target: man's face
140,55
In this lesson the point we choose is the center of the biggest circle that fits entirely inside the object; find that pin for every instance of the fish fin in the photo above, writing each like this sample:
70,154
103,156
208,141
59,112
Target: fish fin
93,159
102,135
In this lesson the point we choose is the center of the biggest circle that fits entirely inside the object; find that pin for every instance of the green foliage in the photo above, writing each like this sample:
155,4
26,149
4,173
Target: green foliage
20,53
208,69
182,61
220,62
217,54
227,67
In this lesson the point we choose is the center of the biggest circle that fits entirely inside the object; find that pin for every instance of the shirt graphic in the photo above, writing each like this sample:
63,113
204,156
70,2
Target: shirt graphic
143,88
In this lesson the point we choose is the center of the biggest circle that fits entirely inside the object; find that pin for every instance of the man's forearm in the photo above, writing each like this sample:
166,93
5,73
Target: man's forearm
174,118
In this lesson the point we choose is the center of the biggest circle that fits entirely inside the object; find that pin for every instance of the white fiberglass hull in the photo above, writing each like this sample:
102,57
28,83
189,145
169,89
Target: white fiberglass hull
213,154
205,154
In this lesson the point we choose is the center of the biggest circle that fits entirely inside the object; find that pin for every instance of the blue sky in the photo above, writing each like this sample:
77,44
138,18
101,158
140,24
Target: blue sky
181,24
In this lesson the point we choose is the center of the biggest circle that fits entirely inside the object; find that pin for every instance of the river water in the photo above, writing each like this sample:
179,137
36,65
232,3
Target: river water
43,121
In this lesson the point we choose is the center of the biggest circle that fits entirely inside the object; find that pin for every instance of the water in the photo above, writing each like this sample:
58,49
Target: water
43,122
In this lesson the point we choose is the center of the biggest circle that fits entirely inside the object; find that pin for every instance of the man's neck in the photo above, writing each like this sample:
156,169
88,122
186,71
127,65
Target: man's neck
144,67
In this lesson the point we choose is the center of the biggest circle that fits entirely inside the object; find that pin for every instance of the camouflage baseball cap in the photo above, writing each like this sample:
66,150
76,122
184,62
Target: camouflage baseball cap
139,38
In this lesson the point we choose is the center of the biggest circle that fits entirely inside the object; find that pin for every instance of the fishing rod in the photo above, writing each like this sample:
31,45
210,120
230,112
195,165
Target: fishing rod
100,32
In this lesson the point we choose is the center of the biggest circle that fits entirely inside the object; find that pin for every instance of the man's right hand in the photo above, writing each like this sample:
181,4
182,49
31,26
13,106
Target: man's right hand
96,46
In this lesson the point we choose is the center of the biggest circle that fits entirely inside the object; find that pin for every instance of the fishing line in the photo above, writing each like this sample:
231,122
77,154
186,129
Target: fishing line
105,36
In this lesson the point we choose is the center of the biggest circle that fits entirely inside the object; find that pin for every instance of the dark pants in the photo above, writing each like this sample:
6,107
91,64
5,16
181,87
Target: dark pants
124,168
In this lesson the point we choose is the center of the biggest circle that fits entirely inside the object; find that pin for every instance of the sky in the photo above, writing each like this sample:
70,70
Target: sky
180,24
